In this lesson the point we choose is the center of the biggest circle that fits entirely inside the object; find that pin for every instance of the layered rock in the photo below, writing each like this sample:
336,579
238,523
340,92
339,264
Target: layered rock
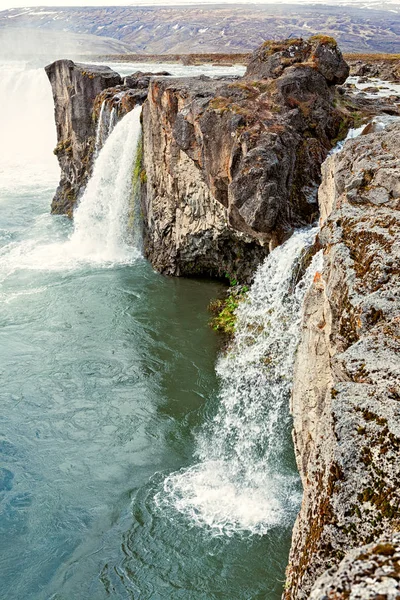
75,87
89,100
346,396
233,165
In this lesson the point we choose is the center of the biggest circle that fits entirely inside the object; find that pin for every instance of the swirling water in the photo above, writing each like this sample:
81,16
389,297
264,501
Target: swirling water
108,391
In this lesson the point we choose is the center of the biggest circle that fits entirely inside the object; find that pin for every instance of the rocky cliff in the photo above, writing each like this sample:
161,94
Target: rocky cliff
371,572
346,393
233,165
75,87
88,101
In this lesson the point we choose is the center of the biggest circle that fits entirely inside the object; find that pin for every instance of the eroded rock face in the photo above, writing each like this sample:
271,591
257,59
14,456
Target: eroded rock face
367,573
319,52
75,87
187,229
346,396
253,148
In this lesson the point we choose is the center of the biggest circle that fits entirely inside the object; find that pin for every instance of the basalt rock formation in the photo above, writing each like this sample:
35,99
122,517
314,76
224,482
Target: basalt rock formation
79,91
230,166
75,87
233,165
346,392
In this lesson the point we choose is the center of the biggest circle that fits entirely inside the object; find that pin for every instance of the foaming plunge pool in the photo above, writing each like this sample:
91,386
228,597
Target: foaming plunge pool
109,393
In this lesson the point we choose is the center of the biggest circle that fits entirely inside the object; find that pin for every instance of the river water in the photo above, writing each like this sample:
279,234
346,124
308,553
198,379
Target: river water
108,385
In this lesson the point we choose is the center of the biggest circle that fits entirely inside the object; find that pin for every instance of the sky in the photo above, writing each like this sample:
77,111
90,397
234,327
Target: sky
5,4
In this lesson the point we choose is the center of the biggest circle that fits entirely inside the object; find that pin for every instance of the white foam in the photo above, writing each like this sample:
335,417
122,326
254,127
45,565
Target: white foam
28,133
240,482
100,234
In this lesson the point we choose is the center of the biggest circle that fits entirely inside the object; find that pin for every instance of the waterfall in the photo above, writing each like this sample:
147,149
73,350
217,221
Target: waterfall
104,126
101,218
99,131
101,231
28,133
113,120
242,480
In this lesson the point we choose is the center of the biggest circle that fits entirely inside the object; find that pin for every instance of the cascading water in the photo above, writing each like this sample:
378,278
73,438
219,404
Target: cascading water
28,136
101,217
240,482
100,234
113,120
100,130
106,122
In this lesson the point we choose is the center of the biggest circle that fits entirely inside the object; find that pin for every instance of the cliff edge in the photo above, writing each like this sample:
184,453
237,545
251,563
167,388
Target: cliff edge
75,87
346,395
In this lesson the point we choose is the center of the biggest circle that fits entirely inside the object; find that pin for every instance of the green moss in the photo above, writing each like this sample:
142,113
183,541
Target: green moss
384,549
220,104
272,46
224,310
344,127
137,167
325,40
139,177
63,147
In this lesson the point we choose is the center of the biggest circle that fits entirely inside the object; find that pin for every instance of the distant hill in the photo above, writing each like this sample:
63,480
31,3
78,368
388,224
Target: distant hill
216,28
19,43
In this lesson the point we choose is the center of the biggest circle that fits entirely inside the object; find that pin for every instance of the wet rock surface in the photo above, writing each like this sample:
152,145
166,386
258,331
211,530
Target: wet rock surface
79,92
346,392
253,146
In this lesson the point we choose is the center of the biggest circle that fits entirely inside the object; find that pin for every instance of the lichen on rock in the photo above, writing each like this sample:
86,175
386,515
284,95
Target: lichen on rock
347,378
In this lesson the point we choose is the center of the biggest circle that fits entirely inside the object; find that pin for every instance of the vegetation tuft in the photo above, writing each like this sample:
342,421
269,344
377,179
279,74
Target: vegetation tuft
224,309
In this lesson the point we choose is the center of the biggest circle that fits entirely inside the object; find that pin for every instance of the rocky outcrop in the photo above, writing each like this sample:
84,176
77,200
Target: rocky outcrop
233,165
367,573
387,69
346,396
75,87
230,166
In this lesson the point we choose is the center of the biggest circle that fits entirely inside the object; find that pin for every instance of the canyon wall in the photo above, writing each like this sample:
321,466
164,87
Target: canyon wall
75,87
233,165
230,166
346,396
